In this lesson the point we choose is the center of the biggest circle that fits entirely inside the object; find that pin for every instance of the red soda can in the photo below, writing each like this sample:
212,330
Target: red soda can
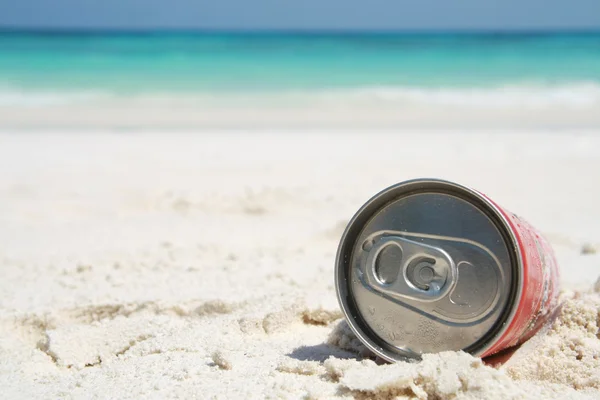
429,265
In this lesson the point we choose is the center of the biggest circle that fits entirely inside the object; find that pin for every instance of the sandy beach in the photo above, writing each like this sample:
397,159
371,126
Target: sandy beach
521,108
200,264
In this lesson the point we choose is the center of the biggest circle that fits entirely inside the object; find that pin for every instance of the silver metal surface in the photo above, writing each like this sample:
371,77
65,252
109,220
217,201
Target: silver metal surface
427,266
417,271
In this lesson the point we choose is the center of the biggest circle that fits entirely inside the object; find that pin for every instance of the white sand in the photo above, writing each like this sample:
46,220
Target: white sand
516,107
201,265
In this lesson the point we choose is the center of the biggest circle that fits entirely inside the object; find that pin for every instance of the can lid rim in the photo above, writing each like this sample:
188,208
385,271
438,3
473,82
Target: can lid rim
414,186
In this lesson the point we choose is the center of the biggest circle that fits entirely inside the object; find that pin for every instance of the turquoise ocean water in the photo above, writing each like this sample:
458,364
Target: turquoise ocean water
164,63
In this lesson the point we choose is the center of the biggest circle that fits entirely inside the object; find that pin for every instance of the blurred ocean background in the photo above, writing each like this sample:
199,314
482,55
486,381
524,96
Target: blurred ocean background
399,70
133,64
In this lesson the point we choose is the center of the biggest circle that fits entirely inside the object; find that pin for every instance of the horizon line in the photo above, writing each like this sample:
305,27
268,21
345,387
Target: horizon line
293,31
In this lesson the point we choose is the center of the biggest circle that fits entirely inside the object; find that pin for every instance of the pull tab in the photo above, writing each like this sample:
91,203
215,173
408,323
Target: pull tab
403,268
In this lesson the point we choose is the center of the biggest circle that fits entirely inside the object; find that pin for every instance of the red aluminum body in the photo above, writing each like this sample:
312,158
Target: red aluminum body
540,279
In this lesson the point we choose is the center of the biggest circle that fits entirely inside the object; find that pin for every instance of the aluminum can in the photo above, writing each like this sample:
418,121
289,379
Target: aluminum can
429,265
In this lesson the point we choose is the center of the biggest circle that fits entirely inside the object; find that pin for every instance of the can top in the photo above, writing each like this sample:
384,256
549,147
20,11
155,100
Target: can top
427,266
